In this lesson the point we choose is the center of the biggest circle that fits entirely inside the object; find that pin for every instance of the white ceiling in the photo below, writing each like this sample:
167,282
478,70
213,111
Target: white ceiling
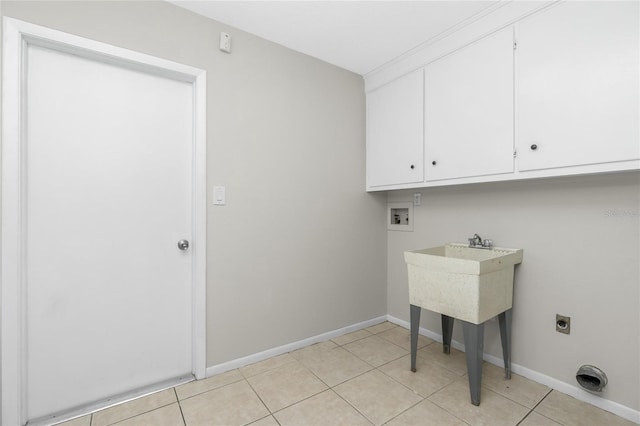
359,36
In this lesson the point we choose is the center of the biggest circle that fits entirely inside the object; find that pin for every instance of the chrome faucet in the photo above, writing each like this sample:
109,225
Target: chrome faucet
477,242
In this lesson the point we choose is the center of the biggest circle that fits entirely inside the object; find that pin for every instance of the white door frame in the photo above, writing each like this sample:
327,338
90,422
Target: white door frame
17,36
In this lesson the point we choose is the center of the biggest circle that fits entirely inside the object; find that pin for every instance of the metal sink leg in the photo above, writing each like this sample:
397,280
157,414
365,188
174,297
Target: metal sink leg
414,314
504,320
447,332
473,346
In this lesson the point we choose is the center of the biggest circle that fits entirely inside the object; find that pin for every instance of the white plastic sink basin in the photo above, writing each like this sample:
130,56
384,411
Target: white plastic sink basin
470,284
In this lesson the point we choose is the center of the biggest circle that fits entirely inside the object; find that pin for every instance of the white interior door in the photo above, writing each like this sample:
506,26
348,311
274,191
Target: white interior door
106,193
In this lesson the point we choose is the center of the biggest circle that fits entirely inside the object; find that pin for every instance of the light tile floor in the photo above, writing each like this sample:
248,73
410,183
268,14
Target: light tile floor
361,378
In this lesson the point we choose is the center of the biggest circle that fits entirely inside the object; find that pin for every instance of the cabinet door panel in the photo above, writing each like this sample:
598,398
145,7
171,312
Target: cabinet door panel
577,79
394,132
469,110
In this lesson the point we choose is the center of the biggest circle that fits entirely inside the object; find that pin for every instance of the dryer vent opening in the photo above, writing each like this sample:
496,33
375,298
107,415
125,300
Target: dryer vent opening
591,378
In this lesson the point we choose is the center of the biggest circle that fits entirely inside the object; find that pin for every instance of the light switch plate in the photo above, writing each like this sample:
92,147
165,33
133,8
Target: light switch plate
219,195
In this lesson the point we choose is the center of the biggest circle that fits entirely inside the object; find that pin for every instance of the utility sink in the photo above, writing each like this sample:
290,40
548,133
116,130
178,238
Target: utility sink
471,284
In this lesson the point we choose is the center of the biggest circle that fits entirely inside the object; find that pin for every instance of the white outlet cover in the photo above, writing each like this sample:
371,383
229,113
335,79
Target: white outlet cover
225,42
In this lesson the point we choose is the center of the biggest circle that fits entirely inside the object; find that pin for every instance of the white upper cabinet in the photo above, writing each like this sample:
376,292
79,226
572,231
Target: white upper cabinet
469,110
577,85
394,132
563,100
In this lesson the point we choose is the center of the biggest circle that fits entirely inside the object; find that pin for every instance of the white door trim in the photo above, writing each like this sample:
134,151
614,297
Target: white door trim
17,35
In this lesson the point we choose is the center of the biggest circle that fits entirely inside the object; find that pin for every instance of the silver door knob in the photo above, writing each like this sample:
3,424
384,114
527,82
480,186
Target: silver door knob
183,244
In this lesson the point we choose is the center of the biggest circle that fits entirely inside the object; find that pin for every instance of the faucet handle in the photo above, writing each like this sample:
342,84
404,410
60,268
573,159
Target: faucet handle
472,242
487,243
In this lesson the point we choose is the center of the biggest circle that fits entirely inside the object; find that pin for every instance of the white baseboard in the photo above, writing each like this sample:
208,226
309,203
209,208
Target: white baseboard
566,388
261,356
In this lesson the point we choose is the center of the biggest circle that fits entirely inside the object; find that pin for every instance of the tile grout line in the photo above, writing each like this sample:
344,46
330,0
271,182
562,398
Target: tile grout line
377,368
304,399
135,415
268,369
352,341
262,418
407,387
408,408
263,403
385,363
331,388
351,405
536,406
214,388
298,402
180,406
295,360
443,408
373,368
242,378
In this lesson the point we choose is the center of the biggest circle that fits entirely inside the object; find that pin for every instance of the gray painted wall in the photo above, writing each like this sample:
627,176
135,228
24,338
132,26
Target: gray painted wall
299,249
581,238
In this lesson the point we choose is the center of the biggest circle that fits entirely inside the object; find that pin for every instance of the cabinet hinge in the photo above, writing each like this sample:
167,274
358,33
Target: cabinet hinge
515,153
515,44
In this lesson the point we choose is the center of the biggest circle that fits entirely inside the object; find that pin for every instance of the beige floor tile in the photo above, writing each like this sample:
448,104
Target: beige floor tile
569,411
351,337
266,365
80,421
326,408
535,419
168,415
426,413
286,385
266,421
313,350
333,366
375,351
402,337
233,404
379,328
428,378
133,408
377,396
198,386
518,389
494,409
455,361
